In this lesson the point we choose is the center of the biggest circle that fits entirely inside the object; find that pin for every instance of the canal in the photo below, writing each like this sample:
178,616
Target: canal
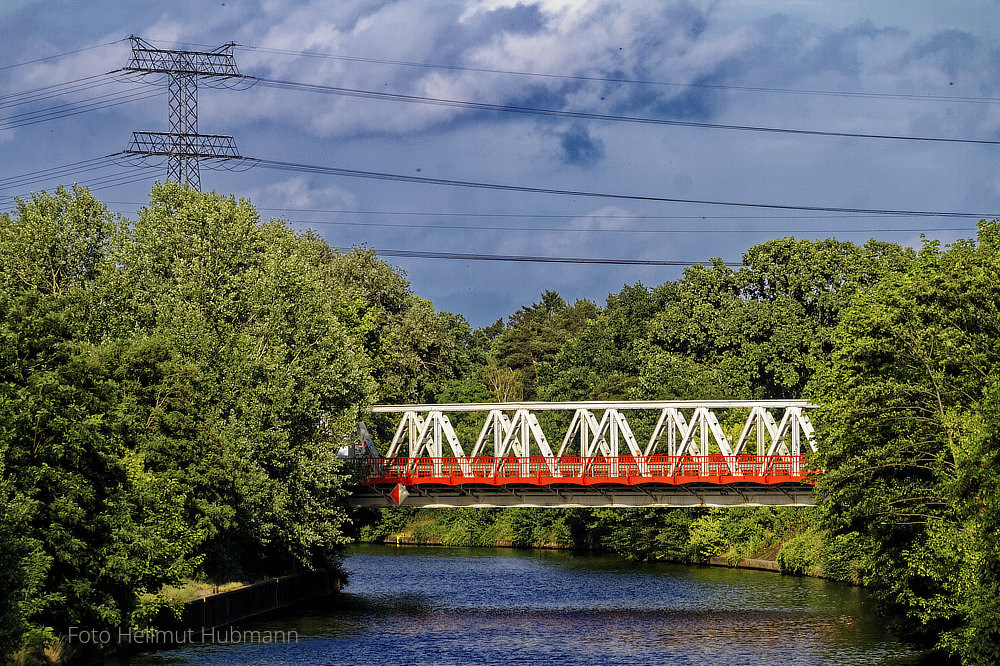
498,606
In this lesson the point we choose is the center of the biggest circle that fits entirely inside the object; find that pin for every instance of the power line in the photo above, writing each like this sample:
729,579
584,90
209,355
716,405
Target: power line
66,110
600,216
672,230
423,180
106,101
53,90
533,259
563,230
53,172
608,79
561,216
580,115
60,55
76,169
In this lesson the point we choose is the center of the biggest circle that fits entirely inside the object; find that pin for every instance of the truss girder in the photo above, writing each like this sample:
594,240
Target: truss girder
684,429
425,437
496,428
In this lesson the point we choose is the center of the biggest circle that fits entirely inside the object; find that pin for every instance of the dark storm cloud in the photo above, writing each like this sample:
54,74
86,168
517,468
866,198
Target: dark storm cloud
523,19
579,147
793,48
952,52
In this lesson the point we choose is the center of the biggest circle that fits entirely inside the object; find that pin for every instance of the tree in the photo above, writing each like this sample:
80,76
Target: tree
535,334
173,392
64,485
241,376
909,442
413,349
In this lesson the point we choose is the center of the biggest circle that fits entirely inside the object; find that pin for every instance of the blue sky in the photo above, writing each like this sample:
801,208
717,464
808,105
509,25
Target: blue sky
914,69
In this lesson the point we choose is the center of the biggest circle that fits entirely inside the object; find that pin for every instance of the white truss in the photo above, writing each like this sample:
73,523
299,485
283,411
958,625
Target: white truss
426,436
510,430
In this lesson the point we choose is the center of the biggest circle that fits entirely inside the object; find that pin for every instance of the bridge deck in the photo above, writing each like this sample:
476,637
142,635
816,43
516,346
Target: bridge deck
656,480
599,495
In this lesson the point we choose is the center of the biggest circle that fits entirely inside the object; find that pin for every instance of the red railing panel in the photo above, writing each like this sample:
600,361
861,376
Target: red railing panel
627,470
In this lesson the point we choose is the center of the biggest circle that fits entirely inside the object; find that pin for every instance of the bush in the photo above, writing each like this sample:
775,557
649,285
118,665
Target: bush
803,554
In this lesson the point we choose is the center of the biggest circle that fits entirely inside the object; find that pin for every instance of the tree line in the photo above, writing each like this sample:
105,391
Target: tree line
173,390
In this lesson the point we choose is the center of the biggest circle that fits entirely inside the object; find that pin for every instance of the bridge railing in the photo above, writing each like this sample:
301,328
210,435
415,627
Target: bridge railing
581,470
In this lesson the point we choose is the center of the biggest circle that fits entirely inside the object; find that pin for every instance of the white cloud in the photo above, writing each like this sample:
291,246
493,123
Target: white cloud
300,193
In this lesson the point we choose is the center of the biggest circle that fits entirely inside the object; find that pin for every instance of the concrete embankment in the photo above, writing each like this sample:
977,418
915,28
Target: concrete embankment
225,608
406,540
745,563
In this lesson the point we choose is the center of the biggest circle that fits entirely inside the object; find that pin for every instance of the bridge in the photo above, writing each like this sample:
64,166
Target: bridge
696,453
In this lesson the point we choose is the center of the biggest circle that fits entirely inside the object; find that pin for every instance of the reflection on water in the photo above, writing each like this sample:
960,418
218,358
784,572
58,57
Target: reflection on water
485,606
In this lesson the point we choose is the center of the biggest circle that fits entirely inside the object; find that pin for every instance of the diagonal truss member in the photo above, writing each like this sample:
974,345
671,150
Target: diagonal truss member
183,146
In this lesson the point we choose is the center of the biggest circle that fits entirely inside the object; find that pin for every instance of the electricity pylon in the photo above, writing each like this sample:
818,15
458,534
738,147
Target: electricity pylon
183,146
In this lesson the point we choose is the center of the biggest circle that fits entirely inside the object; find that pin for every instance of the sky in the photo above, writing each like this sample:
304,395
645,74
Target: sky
574,129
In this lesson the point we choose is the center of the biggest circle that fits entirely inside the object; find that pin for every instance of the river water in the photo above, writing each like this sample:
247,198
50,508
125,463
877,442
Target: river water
413,606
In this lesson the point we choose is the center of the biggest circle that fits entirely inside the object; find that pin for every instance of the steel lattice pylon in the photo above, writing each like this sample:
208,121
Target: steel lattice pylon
183,146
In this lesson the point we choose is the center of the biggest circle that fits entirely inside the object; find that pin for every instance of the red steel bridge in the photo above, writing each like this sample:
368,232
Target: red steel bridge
692,453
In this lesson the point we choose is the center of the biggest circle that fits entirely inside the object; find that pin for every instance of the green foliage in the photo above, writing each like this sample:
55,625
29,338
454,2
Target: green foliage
173,392
534,336
12,624
803,554
62,465
718,333
533,527
387,521
735,533
412,348
240,377
641,534
909,442
520,527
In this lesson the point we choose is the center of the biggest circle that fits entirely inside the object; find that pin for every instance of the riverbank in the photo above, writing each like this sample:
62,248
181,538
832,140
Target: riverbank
204,615
755,563
410,540
766,539
451,605
206,619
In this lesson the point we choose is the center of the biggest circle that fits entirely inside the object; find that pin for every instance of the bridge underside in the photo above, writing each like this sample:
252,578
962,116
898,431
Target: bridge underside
611,495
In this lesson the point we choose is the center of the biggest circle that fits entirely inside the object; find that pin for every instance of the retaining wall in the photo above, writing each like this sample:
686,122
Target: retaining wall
225,608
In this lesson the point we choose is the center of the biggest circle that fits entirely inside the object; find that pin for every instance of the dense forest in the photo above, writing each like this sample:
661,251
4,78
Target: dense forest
173,390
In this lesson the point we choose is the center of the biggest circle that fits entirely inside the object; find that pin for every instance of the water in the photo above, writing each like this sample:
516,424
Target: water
484,606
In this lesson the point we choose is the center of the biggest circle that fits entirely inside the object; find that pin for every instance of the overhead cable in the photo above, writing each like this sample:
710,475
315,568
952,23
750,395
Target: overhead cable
59,55
670,230
105,101
645,82
424,180
532,259
54,90
580,115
